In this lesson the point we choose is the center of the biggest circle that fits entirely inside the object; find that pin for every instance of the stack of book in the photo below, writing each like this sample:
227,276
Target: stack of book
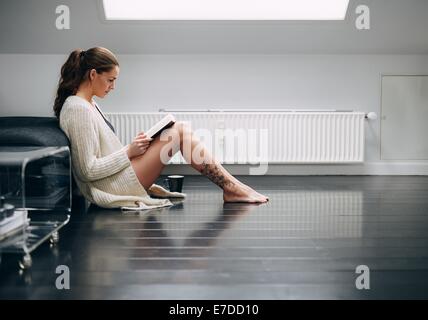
13,224
11,221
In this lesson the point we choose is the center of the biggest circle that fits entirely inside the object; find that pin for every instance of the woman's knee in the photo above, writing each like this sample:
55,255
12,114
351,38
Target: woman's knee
183,129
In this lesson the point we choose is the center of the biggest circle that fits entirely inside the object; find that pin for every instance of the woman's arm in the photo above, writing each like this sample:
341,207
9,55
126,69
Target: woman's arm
85,147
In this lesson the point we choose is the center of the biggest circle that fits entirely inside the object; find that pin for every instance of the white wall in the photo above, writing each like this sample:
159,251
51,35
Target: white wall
149,82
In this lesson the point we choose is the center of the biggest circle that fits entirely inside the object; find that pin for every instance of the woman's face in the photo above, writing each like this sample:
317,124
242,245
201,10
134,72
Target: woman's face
103,82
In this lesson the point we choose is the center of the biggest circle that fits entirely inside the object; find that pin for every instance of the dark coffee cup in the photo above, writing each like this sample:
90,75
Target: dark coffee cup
174,183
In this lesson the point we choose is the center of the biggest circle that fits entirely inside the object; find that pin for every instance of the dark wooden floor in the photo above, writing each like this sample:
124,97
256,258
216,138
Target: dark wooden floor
304,244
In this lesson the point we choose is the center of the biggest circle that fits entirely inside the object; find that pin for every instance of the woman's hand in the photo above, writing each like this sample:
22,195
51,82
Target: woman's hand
140,145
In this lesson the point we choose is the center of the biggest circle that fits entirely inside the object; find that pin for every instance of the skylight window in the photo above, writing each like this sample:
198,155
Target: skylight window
225,9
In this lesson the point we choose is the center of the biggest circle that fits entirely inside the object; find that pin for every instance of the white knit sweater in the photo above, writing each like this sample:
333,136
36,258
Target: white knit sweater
101,167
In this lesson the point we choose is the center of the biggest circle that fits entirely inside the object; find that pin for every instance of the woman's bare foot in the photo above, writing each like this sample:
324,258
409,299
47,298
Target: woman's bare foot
242,193
233,189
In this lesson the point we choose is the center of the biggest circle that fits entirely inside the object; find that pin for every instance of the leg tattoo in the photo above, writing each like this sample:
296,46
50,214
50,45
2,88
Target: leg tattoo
213,173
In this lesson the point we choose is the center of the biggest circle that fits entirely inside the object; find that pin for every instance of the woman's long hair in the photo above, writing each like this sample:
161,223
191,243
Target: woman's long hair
76,69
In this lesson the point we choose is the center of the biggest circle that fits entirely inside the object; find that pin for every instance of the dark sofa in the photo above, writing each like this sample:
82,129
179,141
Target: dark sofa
31,131
36,131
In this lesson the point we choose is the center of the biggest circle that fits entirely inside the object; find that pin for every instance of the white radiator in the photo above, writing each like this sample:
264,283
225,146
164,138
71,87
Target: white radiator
273,137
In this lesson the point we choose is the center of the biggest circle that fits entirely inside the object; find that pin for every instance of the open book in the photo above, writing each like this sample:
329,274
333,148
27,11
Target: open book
164,123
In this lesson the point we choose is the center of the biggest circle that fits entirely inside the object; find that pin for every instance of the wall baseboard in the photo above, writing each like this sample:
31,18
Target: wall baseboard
370,168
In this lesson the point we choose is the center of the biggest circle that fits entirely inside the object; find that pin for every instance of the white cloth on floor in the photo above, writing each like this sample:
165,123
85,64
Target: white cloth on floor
159,192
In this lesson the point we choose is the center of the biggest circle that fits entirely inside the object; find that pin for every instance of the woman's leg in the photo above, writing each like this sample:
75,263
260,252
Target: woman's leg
149,166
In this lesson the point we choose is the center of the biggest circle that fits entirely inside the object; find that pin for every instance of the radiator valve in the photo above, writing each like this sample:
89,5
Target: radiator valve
371,116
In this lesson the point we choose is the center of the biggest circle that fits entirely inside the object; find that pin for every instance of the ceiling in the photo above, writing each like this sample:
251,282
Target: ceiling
397,27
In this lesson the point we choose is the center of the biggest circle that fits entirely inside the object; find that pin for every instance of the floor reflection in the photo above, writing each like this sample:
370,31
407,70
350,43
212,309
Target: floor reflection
304,243
163,234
